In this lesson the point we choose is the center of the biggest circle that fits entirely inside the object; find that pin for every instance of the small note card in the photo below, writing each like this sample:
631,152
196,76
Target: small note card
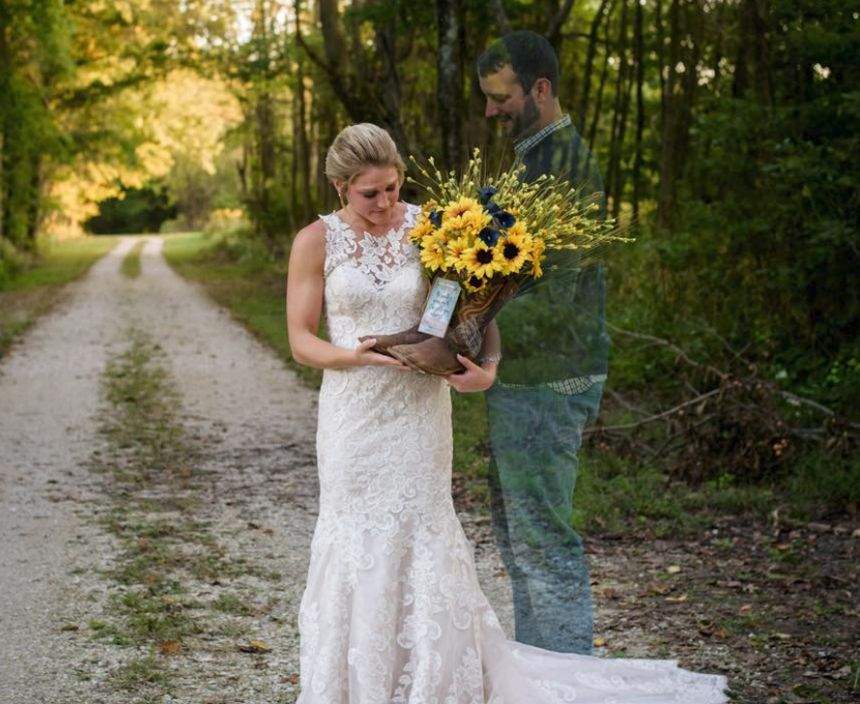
440,307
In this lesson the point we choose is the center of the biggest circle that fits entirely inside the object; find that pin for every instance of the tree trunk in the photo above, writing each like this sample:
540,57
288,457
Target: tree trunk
619,116
34,197
558,16
5,117
592,134
671,117
681,91
589,63
639,58
449,82
301,155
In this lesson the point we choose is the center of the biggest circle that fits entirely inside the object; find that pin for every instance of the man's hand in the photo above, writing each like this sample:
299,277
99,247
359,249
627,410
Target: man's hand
474,378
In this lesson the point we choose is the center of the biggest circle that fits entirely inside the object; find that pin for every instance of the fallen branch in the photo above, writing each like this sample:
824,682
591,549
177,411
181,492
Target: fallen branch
651,419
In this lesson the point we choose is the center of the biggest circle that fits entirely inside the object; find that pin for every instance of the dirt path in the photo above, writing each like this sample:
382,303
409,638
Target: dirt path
251,425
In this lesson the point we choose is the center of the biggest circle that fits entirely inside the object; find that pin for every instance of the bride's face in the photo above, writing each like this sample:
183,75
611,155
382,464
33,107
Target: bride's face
374,193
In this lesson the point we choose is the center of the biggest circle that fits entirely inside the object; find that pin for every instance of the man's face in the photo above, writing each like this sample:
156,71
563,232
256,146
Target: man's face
508,103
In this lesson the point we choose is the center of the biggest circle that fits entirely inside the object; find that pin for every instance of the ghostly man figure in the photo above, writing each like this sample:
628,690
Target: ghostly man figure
554,358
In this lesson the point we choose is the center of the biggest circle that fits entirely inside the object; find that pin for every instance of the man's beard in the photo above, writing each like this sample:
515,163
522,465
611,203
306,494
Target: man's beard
523,124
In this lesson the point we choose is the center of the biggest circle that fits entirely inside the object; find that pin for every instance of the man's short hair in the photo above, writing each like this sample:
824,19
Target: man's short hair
529,55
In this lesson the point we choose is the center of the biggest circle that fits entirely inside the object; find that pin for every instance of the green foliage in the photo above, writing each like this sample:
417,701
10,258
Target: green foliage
11,262
58,263
35,54
139,210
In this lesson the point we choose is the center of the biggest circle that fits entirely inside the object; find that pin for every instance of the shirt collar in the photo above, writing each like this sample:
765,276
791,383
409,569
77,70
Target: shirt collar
524,145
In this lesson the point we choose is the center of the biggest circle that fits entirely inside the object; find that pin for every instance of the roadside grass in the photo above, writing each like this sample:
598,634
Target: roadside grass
130,266
612,494
32,291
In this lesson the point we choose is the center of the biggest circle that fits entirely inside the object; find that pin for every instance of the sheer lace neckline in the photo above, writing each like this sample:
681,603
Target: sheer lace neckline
380,257
360,234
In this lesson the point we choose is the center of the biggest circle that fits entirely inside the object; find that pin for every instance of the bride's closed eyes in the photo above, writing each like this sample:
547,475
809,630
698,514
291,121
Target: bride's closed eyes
372,194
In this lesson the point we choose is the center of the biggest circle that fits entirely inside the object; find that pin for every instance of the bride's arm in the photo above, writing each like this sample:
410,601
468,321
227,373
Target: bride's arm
305,286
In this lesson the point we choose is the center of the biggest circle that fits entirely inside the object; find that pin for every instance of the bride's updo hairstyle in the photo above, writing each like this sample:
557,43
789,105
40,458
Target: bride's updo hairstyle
355,149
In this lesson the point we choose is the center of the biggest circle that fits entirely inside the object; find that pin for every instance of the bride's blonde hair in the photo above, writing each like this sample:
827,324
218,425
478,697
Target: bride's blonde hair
355,148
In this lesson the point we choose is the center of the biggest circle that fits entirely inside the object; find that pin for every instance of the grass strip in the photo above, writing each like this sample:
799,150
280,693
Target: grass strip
33,291
149,478
130,266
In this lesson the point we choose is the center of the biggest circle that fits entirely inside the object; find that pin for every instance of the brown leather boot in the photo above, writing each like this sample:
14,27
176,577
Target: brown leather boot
435,355
404,337
465,335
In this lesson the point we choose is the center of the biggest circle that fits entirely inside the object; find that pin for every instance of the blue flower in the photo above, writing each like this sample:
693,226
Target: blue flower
489,236
504,219
485,193
436,218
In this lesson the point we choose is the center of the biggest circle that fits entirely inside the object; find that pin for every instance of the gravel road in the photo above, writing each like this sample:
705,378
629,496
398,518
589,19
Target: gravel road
253,423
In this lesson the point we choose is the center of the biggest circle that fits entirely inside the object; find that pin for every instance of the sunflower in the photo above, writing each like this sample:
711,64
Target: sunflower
515,250
432,252
482,261
454,253
472,222
460,208
474,283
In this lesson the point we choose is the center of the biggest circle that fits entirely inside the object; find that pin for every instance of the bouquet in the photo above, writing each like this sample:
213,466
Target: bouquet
481,238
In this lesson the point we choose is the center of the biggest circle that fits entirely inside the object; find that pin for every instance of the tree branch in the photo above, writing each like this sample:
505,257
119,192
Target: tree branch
553,29
651,419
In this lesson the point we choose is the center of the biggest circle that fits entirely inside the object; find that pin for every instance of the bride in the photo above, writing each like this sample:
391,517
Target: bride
392,611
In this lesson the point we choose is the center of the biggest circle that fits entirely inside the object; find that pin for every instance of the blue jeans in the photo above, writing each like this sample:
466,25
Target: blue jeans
535,436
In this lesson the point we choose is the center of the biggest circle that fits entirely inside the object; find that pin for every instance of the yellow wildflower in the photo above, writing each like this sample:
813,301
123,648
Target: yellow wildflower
454,253
421,229
473,283
536,257
473,221
432,252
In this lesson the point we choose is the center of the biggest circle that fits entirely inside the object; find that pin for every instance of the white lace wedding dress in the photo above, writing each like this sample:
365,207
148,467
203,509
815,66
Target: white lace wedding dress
392,612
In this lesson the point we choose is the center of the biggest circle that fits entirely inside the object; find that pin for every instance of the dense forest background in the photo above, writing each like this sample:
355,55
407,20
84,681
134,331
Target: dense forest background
725,130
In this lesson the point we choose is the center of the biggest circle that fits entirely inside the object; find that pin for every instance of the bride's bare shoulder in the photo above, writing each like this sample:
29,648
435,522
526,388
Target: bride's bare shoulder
309,243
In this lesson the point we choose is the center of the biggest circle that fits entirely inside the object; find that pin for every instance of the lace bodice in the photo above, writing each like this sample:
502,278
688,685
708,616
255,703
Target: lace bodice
373,283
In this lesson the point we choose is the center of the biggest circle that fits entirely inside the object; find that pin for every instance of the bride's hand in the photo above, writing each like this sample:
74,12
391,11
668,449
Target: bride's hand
363,355
474,378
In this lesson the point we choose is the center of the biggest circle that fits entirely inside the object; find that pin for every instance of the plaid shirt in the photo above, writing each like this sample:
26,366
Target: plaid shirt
558,149
524,145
